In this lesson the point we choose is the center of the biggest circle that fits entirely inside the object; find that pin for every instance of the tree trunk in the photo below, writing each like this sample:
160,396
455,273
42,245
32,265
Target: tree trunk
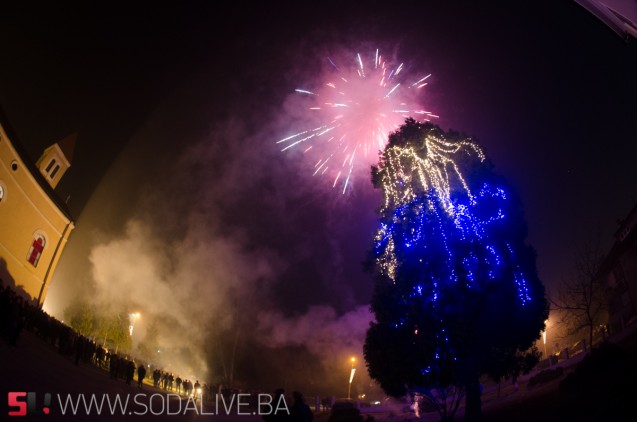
473,402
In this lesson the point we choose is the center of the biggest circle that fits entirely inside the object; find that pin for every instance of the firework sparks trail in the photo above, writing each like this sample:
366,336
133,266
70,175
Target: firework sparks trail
358,108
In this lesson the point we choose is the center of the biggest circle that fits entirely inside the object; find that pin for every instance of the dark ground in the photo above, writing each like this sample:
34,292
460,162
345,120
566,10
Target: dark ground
35,366
602,387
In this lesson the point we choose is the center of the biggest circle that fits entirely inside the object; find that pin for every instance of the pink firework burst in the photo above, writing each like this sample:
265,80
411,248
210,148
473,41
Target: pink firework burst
357,108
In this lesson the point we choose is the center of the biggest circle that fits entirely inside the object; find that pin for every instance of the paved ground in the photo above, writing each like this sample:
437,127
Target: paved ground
33,366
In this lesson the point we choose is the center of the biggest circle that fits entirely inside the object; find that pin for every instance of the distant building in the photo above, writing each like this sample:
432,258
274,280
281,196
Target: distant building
620,270
34,223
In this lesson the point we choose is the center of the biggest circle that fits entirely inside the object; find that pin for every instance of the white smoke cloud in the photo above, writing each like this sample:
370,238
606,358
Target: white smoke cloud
181,285
321,330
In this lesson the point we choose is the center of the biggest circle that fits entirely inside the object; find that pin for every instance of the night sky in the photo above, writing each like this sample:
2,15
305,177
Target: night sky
178,106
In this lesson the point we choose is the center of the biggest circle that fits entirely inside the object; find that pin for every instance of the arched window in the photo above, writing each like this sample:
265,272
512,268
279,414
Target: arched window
35,251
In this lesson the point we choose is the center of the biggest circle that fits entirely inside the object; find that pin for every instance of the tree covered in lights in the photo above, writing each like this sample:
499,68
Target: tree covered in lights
456,292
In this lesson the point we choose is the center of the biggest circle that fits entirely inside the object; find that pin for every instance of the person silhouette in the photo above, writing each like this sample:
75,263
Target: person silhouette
141,373
280,411
300,411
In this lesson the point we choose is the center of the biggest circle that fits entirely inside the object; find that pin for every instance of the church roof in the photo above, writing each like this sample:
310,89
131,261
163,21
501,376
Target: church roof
67,145
31,165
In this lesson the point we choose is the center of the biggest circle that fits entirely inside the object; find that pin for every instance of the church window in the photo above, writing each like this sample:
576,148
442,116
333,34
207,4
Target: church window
50,166
55,171
35,251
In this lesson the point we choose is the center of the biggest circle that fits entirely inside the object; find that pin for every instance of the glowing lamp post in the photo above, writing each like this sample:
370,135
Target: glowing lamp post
132,318
544,336
351,377
544,339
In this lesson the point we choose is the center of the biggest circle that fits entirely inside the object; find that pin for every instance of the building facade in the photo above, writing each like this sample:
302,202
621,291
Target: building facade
620,271
34,223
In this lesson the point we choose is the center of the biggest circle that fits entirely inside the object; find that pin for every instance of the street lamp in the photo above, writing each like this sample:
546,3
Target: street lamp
544,337
132,317
351,377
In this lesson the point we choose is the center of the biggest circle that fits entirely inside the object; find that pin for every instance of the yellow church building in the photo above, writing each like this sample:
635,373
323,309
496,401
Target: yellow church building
34,223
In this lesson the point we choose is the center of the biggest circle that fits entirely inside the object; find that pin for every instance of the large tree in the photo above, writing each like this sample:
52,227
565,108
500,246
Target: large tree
81,317
457,293
107,326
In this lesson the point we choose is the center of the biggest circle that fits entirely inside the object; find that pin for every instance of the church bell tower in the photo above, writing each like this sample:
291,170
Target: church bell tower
56,159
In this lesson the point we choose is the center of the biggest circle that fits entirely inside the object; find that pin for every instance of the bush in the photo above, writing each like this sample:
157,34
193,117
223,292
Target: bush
546,376
345,411
608,365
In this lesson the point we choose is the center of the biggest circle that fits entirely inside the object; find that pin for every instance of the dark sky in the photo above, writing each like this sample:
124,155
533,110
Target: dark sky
546,88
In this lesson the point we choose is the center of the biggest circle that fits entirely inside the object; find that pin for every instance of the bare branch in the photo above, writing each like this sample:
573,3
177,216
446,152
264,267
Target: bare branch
581,297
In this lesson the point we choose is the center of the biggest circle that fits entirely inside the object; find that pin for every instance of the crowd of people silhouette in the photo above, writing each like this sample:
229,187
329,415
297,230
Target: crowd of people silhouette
18,314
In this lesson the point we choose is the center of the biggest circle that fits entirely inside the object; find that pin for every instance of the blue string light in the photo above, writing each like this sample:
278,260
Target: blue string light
435,235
